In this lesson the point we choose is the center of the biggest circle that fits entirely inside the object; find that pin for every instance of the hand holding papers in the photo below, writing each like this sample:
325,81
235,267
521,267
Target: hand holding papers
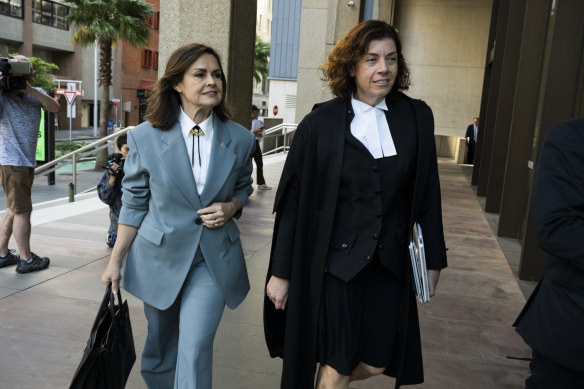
418,257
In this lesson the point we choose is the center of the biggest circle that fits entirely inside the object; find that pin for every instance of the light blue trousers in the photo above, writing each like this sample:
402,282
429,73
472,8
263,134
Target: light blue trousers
179,346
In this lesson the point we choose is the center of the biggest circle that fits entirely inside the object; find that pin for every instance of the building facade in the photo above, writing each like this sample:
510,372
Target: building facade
264,32
38,28
284,50
134,74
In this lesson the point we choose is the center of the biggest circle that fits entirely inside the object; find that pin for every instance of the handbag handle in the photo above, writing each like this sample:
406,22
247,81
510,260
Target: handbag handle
112,305
107,297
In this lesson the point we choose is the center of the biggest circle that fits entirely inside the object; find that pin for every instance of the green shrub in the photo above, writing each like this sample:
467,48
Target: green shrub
67,146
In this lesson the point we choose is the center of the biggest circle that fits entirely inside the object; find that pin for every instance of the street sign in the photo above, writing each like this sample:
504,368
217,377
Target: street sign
70,96
275,110
62,92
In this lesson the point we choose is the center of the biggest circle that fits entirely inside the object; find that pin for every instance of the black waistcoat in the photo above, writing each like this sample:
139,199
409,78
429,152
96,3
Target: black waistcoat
374,201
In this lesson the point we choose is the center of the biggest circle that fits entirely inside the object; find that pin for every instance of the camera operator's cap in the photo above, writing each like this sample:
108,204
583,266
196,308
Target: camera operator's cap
254,108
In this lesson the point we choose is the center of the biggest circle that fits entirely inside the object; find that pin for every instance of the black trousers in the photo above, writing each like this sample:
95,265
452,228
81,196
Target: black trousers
470,154
257,157
547,374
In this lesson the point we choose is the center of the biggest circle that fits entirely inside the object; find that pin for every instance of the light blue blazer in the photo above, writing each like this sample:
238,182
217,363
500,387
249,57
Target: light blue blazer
160,198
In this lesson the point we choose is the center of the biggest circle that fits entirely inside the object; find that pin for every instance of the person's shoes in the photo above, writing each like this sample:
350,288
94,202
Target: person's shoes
37,263
110,240
10,259
264,187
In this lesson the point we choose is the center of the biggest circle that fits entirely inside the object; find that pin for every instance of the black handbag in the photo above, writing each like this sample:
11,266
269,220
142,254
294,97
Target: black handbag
110,354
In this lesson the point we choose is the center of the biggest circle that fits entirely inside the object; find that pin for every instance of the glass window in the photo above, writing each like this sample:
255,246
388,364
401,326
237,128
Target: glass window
5,7
16,8
11,8
46,13
36,11
61,13
49,13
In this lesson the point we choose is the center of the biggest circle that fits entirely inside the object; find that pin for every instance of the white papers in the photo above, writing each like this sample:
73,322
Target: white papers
418,257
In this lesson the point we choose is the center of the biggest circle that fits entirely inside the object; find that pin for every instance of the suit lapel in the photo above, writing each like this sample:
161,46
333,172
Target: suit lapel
174,159
221,163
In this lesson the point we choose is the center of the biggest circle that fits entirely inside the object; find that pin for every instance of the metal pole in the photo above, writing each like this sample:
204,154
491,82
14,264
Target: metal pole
71,192
70,121
285,138
95,122
74,165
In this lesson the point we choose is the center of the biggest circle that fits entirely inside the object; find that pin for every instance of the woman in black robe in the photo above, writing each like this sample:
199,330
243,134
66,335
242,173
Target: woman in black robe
361,171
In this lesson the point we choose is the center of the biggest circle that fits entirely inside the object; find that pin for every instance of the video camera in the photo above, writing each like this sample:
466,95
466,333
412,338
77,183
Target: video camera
118,159
14,74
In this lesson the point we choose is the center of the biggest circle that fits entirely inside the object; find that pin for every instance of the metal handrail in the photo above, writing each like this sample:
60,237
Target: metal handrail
280,127
73,157
284,129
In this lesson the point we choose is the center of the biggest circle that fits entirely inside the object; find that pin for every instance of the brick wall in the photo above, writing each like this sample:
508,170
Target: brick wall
134,75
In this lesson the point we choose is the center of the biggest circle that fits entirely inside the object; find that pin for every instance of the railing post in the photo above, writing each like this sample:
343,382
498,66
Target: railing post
74,170
71,192
285,138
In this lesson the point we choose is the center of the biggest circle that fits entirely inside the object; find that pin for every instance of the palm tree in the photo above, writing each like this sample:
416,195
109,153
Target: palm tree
107,22
261,59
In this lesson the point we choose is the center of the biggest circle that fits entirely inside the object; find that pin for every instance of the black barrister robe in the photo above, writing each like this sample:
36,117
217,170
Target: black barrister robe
553,318
314,165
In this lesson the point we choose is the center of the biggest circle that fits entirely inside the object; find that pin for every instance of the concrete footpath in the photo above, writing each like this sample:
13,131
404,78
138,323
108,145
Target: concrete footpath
45,317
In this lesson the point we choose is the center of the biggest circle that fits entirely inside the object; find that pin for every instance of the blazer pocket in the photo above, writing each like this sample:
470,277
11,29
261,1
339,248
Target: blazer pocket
233,232
151,234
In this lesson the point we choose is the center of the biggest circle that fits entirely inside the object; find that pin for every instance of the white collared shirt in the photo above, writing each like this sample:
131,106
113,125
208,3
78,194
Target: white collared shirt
205,142
370,127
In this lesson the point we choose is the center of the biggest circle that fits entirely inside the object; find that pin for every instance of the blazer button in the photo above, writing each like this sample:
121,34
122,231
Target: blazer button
375,236
198,221
380,246
344,245
368,258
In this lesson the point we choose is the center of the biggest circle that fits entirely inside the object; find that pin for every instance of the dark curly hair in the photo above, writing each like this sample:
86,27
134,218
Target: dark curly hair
351,48
164,103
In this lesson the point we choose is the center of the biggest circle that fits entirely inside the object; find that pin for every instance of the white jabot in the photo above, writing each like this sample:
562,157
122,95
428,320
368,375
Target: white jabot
370,127
206,140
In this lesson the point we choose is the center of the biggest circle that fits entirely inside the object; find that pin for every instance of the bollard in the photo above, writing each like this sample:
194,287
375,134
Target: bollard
71,192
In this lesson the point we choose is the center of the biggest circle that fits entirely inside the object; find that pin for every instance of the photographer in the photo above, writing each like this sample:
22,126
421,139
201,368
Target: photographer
20,117
109,188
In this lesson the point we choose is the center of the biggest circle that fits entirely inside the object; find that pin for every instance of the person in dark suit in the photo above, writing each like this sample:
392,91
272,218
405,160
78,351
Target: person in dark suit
361,170
471,135
187,176
552,320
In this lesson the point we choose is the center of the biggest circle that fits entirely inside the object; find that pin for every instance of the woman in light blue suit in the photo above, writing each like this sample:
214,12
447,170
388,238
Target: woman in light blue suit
187,176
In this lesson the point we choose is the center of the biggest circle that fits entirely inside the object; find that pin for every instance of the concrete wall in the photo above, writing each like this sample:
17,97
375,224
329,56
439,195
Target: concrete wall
451,146
279,89
187,21
444,43
227,26
323,23
54,38
12,29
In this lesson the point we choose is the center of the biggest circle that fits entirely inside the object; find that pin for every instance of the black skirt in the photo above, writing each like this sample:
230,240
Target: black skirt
358,319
